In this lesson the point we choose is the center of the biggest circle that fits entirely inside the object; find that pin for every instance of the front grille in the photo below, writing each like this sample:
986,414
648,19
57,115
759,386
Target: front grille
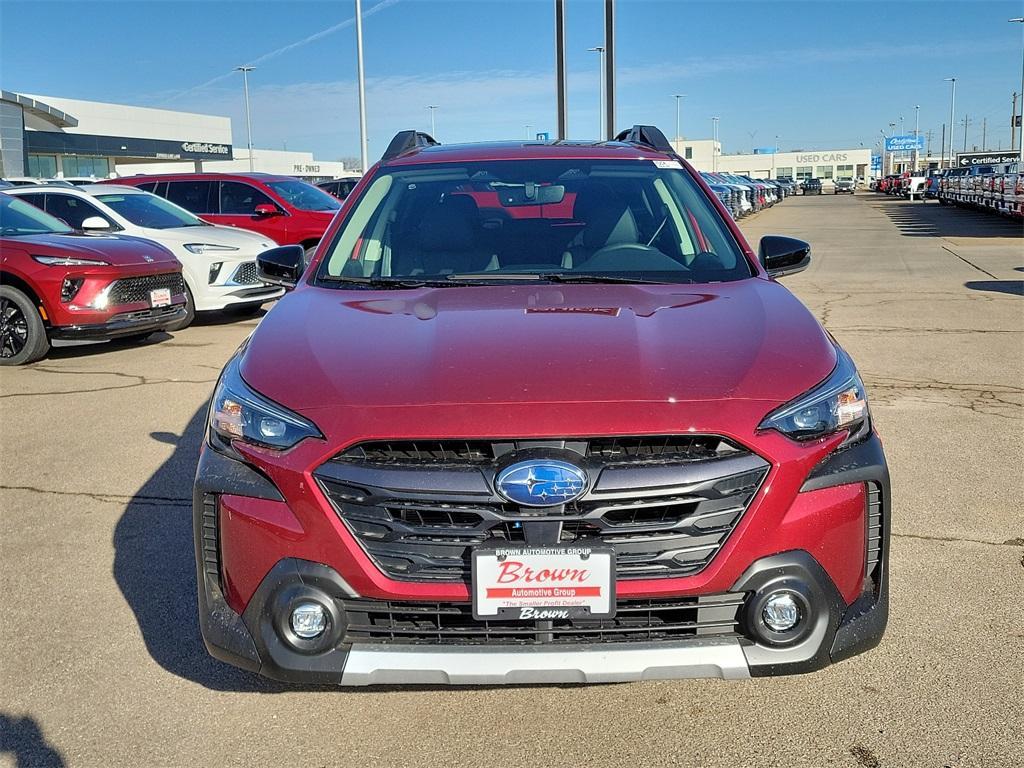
131,290
670,448
666,505
873,554
646,620
246,274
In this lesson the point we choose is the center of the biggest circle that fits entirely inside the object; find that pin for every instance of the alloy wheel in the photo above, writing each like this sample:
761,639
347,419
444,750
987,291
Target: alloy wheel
13,329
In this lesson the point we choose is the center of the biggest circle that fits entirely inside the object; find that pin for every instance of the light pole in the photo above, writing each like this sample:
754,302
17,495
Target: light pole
714,144
952,107
892,132
248,119
679,97
599,50
775,151
432,107
527,128
1020,20
917,129
364,154
883,151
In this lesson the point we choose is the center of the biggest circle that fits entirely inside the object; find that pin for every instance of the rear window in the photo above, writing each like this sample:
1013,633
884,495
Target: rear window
504,219
304,196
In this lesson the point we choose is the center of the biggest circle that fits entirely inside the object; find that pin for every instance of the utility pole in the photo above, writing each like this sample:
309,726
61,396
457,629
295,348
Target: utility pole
609,67
952,123
364,152
679,97
928,137
599,49
943,145
1020,20
984,128
248,120
966,122
714,144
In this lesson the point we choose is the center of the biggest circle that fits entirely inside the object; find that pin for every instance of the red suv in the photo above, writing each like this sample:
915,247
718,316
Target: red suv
537,413
56,284
284,209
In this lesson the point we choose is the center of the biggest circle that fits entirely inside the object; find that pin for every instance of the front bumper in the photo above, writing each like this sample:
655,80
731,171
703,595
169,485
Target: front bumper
834,629
124,324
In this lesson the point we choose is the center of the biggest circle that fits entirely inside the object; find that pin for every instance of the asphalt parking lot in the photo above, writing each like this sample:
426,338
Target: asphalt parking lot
102,664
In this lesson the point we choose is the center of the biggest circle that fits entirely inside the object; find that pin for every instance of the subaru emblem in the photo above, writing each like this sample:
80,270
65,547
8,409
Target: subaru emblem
541,483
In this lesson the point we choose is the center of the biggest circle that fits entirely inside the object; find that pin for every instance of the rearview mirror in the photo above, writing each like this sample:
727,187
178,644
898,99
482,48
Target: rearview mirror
266,209
281,266
94,223
781,256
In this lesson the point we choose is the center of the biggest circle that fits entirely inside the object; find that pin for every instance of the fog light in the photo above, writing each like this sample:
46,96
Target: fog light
308,620
781,612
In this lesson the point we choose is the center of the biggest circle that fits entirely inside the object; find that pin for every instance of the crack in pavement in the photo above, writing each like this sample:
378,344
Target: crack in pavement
109,498
904,329
961,539
999,400
136,380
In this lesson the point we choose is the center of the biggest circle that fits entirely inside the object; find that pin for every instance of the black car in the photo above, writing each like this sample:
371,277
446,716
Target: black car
340,188
811,186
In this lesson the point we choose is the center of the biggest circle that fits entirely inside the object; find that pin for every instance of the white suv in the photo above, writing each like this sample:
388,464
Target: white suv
219,263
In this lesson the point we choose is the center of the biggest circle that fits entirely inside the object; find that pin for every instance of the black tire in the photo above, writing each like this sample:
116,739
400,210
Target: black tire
190,313
22,333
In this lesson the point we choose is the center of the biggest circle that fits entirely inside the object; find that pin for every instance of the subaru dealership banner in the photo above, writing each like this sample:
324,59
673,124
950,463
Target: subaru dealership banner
907,143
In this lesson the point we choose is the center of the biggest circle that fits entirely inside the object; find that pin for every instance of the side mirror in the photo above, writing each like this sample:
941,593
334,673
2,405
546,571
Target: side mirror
781,256
94,223
266,209
281,266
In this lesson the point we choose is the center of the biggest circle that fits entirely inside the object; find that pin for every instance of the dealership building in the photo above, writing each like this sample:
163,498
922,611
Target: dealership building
54,137
825,164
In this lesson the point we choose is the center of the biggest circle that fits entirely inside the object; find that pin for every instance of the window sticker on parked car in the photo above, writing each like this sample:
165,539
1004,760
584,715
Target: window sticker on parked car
667,164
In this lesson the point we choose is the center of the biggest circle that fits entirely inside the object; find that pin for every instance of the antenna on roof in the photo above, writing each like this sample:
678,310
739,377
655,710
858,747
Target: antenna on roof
406,141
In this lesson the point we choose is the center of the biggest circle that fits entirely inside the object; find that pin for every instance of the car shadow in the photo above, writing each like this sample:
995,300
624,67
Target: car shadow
931,219
1012,287
154,567
23,740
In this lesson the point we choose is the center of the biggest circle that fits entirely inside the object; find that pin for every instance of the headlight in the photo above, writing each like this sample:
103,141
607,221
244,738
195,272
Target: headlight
240,413
837,403
69,261
208,248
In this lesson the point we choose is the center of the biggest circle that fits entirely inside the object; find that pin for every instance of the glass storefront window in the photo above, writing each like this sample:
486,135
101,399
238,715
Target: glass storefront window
42,166
844,171
804,172
784,173
825,171
86,166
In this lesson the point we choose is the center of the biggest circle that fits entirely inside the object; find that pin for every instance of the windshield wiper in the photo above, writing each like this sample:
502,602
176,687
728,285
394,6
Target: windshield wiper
571,277
385,282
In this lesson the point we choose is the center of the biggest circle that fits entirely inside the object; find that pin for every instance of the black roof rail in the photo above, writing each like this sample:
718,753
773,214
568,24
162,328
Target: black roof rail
406,141
648,135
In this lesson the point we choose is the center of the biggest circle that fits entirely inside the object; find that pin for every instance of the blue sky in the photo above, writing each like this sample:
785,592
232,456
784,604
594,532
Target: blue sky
817,74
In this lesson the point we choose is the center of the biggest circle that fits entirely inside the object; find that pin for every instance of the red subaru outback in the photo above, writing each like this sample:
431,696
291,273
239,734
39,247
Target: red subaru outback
537,413
57,284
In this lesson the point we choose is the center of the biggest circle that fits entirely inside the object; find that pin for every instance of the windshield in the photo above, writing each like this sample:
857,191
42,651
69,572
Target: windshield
560,220
18,218
304,196
145,210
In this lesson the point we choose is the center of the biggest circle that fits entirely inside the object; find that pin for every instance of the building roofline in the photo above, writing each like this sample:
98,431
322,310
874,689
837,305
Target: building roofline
40,109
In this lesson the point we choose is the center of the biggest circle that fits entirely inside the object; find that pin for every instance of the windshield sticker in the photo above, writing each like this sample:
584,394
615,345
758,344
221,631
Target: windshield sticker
668,164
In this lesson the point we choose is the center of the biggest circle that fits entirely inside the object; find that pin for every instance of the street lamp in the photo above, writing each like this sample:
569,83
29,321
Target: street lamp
248,119
775,151
527,128
917,130
1020,20
714,144
599,50
679,97
952,106
432,107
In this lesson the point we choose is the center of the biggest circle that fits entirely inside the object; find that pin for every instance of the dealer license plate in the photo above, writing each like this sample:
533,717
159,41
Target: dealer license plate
539,583
161,297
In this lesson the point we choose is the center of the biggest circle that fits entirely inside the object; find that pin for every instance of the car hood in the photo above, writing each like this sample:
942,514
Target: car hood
120,250
324,348
244,240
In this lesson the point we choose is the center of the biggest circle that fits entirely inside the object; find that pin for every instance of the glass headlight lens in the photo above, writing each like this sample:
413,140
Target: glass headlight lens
240,413
69,261
839,402
208,248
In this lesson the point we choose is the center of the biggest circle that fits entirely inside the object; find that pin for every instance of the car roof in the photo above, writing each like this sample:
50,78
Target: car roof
526,150
83,190
255,176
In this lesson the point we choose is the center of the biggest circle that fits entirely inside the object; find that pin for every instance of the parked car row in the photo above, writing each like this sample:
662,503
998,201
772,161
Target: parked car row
132,256
997,188
742,195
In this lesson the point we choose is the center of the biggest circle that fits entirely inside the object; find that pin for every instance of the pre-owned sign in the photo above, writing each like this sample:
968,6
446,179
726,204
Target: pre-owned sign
968,159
